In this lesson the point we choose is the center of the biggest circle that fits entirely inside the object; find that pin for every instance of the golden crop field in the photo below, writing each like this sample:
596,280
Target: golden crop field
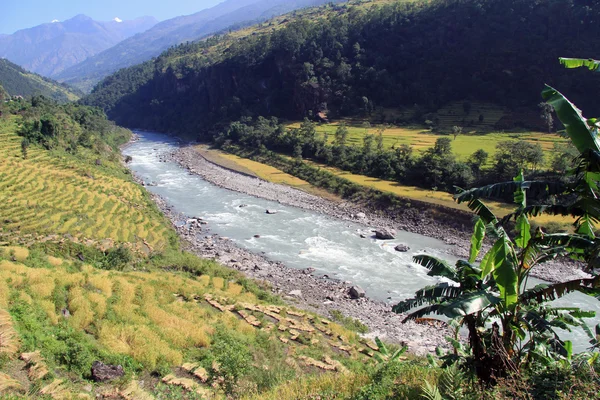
47,194
157,319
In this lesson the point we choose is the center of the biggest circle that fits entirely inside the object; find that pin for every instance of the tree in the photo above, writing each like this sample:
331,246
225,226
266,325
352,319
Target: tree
456,130
24,147
508,325
513,156
546,115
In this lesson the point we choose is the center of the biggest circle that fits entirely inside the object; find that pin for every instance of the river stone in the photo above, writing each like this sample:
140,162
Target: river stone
402,248
361,215
271,212
385,234
297,293
356,292
104,373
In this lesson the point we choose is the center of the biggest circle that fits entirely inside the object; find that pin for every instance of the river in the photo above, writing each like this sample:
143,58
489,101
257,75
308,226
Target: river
301,238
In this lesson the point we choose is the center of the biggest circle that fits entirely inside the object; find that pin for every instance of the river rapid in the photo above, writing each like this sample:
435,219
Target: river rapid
300,238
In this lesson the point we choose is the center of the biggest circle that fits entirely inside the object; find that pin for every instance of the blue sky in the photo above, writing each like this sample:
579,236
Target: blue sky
21,14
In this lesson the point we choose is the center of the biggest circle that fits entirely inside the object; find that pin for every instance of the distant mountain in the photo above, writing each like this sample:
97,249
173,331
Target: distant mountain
18,82
50,48
143,47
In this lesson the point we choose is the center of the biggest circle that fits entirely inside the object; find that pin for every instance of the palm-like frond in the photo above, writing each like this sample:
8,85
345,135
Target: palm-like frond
422,312
435,266
592,65
428,295
507,189
549,292
576,125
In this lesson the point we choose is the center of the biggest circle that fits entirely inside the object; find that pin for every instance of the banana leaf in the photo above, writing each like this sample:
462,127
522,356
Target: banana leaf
582,135
592,65
436,266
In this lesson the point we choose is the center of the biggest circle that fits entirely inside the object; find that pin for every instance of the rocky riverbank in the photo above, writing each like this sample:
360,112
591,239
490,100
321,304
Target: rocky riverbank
412,220
303,289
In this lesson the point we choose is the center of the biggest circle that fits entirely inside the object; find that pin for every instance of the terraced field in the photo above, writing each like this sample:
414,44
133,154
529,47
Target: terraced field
156,321
48,194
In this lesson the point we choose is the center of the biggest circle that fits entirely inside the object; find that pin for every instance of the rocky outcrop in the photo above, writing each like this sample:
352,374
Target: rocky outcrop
356,292
385,234
104,373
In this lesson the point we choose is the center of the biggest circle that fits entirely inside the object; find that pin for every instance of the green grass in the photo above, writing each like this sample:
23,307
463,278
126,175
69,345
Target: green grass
421,139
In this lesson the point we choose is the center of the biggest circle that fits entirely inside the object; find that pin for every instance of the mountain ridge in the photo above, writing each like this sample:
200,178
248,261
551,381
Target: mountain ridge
49,48
175,31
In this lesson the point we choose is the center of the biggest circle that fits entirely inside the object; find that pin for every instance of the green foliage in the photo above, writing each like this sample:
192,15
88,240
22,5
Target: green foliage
348,322
18,82
232,357
69,127
522,332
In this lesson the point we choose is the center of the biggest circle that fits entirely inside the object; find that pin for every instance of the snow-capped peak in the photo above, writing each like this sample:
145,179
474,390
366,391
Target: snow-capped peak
117,19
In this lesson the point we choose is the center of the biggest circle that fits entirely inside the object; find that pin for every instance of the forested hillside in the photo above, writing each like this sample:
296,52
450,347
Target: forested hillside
353,59
18,82
142,47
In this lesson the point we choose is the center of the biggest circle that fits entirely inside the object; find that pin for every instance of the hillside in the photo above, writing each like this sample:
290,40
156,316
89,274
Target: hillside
49,49
91,271
175,31
18,82
362,58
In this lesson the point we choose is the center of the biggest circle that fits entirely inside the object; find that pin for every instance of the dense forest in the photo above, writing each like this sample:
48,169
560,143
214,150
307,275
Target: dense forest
18,82
351,59
67,127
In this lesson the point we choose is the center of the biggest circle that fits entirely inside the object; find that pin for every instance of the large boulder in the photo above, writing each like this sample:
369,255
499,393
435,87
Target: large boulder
104,373
271,211
356,292
385,234
402,248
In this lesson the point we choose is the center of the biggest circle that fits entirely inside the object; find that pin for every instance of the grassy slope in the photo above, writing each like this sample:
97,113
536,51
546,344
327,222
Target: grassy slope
145,316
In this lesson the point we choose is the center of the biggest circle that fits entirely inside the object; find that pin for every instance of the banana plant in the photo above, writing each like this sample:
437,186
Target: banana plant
505,320
510,325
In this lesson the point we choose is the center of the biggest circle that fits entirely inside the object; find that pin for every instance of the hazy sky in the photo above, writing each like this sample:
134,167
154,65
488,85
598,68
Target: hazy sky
20,14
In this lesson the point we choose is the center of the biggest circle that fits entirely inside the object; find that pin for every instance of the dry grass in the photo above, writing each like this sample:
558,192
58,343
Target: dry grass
147,321
343,385
9,341
47,194
8,384
16,253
